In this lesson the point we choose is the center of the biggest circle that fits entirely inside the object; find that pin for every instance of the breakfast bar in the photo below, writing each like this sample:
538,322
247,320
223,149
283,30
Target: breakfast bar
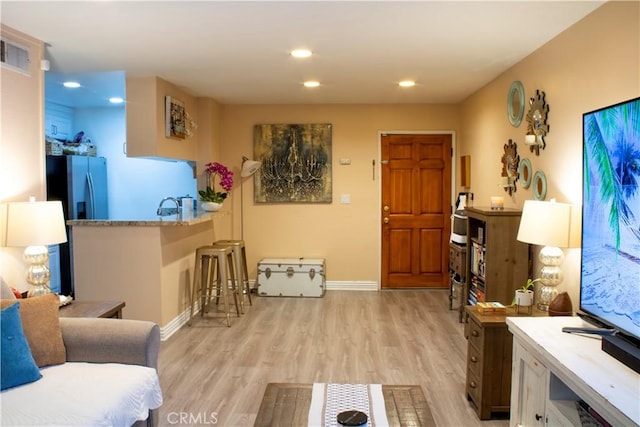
148,263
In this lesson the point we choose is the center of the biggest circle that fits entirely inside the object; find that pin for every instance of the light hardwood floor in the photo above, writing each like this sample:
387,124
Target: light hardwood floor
214,375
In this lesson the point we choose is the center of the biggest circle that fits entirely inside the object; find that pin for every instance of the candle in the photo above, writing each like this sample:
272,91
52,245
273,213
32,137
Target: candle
497,202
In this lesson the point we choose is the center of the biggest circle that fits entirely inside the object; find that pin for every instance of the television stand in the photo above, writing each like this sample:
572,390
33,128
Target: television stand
555,373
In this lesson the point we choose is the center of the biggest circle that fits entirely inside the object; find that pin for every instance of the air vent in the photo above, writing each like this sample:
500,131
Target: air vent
14,56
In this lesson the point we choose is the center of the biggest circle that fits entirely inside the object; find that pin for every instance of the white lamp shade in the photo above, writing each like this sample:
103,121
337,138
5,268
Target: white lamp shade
249,167
550,224
35,224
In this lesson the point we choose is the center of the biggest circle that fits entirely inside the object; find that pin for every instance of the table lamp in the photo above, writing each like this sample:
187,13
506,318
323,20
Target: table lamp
35,225
554,226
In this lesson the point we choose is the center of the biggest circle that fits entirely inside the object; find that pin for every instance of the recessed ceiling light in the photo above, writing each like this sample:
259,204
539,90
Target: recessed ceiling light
301,53
407,83
311,83
116,100
71,85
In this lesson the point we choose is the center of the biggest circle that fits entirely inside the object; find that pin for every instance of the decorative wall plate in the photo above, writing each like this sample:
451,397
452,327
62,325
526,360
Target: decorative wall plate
510,160
524,173
537,121
539,185
515,103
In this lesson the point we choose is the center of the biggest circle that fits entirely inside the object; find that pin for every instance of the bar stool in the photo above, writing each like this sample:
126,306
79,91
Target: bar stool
214,264
242,273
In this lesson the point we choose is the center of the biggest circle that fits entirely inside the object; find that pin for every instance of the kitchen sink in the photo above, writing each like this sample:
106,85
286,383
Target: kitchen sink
167,211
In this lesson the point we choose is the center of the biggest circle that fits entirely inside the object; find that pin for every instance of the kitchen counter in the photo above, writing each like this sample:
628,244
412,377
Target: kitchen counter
150,221
147,263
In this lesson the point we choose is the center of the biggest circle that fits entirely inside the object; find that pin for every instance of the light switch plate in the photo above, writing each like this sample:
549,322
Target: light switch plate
345,199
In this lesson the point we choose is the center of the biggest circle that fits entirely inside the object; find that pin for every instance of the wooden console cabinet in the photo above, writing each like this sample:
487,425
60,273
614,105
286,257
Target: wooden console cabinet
498,263
553,370
457,277
488,363
489,356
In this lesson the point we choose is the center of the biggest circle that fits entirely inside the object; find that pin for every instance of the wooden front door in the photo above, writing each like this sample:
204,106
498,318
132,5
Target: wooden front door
416,210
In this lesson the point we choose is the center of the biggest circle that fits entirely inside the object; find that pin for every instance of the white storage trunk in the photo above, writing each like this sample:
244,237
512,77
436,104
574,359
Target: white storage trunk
291,277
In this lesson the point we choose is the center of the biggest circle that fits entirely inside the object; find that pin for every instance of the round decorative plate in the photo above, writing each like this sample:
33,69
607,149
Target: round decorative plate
515,103
539,185
524,172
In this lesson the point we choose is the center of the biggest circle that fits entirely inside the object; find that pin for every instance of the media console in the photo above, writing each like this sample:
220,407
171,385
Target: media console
552,371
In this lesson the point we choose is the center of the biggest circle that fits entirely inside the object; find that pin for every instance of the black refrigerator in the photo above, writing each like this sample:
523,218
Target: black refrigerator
80,183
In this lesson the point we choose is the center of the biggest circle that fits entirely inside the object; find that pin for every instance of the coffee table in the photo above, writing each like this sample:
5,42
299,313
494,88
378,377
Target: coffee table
287,404
109,309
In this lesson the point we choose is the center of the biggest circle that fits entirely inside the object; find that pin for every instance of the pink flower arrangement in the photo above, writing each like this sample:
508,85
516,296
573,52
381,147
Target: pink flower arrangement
226,182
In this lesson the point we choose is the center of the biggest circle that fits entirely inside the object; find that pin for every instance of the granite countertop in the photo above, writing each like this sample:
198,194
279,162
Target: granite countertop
151,221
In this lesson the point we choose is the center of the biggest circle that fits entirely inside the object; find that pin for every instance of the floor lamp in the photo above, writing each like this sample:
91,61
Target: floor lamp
249,167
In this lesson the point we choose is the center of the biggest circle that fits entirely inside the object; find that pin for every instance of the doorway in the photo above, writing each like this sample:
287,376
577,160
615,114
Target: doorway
415,210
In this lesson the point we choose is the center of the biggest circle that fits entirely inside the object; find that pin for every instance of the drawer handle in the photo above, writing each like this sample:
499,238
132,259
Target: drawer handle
474,359
473,384
475,333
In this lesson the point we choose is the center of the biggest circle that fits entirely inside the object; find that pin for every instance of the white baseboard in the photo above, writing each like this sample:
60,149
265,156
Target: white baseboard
352,286
171,327
179,321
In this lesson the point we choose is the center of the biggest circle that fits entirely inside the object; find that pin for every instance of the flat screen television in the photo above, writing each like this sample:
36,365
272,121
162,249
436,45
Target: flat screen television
610,263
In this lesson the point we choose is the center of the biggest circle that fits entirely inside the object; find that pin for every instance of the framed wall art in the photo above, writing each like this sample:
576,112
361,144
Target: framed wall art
175,122
296,163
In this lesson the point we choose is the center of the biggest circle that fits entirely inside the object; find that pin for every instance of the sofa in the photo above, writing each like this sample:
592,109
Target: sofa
104,374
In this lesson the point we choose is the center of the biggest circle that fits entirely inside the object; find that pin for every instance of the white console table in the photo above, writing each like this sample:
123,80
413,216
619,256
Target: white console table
551,370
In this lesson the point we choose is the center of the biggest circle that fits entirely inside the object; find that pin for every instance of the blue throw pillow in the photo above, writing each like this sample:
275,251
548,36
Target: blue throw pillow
17,366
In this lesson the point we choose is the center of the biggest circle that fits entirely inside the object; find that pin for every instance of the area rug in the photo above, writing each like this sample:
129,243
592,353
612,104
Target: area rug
315,405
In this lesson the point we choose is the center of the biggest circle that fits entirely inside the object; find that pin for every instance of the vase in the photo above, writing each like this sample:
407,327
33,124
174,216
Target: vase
210,206
524,299
561,305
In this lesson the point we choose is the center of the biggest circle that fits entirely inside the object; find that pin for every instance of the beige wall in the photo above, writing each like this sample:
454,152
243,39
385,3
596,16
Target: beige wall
210,135
592,64
22,171
146,120
347,235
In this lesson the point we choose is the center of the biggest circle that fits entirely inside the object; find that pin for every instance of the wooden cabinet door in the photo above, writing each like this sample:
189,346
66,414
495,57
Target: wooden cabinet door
530,381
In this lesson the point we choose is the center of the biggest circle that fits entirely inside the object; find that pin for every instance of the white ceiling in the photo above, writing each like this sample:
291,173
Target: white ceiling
237,52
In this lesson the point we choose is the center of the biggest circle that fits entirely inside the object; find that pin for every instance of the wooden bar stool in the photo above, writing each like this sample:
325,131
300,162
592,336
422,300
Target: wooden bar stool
214,264
242,273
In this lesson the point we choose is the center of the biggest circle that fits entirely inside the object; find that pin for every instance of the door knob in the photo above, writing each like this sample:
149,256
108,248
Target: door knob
385,220
386,208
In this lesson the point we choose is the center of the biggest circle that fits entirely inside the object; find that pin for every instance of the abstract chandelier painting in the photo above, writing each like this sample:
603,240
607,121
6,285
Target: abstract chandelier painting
296,163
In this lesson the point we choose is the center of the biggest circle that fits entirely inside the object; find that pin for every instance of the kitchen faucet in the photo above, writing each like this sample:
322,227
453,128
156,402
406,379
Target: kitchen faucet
161,211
